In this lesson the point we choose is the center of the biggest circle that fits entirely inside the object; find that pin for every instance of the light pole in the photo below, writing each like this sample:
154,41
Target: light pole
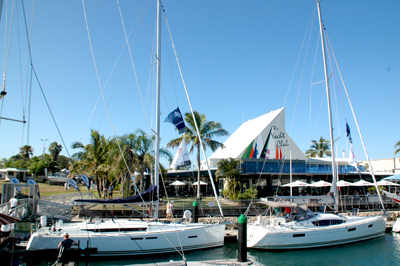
44,146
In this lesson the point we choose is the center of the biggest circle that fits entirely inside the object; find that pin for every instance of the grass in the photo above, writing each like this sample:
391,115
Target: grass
47,189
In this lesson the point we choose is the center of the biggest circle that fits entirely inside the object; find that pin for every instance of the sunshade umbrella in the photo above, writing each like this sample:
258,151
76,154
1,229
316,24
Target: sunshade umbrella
386,183
343,183
393,177
321,183
362,183
201,183
297,183
177,183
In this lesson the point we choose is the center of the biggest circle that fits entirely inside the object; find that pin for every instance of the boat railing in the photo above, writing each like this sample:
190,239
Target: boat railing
68,199
346,202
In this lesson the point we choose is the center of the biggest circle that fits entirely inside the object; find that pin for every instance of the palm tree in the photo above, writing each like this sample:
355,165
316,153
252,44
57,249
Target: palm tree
397,146
55,150
319,148
207,130
26,152
93,157
143,148
230,169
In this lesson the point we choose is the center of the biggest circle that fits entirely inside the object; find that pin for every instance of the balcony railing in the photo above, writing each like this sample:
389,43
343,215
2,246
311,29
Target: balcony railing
257,167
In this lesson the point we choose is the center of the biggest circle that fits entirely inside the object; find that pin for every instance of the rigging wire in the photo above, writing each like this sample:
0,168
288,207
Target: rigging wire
102,93
194,118
309,27
6,55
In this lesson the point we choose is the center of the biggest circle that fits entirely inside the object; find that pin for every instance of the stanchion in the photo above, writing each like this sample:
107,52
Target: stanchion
242,238
195,212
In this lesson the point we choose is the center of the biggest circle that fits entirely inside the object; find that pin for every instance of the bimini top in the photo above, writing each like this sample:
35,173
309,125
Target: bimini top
148,195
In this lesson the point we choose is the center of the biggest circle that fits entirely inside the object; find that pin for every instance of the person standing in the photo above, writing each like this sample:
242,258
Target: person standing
13,202
172,209
110,191
66,242
169,213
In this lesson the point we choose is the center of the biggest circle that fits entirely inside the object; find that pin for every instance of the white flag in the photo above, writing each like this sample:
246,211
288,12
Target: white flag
181,157
352,157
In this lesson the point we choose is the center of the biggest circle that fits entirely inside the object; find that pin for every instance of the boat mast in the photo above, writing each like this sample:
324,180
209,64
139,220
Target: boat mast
334,173
157,144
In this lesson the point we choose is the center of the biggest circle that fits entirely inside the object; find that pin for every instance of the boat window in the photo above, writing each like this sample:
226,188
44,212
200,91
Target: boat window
327,222
114,229
303,212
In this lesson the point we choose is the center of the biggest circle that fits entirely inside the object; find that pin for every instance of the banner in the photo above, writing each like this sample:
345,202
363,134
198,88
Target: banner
33,182
175,117
73,184
14,180
85,180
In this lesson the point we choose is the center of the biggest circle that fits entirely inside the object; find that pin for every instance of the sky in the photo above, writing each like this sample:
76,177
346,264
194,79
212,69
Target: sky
239,59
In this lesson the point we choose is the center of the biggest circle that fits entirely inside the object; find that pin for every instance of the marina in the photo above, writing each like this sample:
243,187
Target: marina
256,198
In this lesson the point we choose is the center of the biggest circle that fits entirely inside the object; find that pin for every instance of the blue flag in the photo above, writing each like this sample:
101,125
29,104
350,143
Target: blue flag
73,184
33,182
85,180
175,117
348,133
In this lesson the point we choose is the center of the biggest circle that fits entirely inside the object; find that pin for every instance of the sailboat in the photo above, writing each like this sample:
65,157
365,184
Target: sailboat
119,237
301,228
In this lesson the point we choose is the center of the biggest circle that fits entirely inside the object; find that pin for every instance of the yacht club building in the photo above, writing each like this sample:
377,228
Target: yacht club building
267,152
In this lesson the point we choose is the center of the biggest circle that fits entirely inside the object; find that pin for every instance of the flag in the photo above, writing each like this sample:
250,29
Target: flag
85,180
33,182
175,117
73,184
352,158
16,181
181,158
348,134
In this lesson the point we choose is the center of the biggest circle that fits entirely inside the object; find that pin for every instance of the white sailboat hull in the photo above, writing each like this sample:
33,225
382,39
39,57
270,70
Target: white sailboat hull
396,226
157,238
296,236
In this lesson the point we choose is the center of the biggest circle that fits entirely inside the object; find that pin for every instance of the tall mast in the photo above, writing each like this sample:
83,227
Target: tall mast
334,173
158,81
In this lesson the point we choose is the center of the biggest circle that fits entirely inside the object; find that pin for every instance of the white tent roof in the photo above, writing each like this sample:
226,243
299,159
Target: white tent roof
249,131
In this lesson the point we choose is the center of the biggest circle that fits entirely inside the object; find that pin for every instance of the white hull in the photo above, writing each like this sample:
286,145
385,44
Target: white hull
396,226
151,237
299,235
57,179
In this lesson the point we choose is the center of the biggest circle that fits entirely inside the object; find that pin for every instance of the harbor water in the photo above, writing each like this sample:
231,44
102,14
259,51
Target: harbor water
380,251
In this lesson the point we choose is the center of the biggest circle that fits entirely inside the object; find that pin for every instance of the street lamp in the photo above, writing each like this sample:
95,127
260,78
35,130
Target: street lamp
44,146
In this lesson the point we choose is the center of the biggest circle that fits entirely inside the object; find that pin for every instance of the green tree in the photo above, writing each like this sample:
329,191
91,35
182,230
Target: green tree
230,169
26,152
208,130
397,146
92,157
38,167
55,150
319,148
143,147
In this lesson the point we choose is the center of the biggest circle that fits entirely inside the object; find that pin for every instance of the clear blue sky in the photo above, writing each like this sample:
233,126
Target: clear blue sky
238,58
